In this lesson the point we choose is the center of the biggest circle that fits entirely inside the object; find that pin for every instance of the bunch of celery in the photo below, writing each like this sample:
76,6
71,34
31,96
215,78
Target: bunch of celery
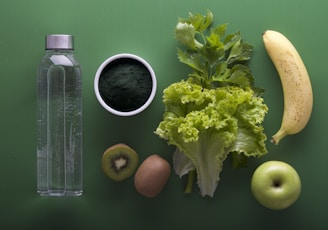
217,110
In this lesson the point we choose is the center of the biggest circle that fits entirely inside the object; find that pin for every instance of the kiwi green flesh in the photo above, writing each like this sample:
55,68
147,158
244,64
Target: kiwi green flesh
119,162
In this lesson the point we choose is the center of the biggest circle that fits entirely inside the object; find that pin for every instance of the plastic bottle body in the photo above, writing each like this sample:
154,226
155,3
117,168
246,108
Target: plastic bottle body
59,125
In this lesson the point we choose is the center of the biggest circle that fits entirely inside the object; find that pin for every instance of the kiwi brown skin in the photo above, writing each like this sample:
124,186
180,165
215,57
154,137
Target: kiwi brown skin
152,176
119,162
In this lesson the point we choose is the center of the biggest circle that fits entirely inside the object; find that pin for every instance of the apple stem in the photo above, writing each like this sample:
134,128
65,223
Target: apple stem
276,184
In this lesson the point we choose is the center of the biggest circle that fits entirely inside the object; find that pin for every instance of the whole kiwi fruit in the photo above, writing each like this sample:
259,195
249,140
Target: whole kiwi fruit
152,176
119,162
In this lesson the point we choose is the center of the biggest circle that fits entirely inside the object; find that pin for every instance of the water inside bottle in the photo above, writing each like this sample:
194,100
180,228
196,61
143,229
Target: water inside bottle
59,147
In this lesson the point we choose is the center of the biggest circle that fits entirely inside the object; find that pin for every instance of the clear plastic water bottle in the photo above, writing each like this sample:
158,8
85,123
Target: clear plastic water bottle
59,120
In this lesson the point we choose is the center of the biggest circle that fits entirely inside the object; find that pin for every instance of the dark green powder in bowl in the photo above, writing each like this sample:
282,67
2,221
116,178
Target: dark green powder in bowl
125,84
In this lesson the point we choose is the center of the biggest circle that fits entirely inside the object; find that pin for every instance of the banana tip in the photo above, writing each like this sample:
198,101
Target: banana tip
274,141
278,136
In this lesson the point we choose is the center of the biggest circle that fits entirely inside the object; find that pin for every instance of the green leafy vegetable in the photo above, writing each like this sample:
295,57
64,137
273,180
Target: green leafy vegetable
217,110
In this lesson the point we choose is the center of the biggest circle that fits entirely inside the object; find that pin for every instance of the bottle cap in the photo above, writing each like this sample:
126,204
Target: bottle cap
59,41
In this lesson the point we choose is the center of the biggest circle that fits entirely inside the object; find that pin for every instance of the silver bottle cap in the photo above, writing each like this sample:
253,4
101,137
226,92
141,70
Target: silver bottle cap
59,41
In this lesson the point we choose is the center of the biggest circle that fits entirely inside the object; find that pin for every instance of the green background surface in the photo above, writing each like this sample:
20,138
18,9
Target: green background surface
145,27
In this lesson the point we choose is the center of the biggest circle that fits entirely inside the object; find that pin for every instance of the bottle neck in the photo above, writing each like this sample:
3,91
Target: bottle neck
61,51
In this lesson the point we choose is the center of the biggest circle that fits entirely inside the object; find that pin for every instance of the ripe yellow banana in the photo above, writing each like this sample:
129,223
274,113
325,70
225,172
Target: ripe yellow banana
296,84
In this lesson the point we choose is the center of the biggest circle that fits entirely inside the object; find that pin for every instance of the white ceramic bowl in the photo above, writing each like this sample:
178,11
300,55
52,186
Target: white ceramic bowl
101,75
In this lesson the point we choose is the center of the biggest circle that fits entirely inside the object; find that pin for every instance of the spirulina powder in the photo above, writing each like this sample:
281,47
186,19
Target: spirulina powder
125,84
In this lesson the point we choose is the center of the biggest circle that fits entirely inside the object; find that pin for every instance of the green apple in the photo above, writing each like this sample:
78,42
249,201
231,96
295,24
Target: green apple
276,185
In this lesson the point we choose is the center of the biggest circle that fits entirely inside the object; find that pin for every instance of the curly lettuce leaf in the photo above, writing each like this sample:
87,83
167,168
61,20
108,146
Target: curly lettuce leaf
208,124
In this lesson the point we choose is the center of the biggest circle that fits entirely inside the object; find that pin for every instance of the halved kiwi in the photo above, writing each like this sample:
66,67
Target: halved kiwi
119,162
